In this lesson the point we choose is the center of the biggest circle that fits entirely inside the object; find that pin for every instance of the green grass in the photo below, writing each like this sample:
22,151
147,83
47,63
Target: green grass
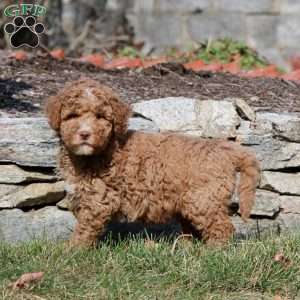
132,269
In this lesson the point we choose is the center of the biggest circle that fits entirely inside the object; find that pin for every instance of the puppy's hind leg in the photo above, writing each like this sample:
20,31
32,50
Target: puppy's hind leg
218,227
208,215
219,231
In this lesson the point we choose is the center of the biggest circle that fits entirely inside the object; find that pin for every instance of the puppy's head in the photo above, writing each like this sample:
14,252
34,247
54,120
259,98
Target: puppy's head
87,116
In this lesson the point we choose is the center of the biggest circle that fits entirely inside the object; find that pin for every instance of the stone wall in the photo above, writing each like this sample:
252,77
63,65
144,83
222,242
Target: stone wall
271,26
32,196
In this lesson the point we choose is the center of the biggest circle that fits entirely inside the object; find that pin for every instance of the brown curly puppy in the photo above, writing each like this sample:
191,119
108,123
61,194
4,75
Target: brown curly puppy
148,177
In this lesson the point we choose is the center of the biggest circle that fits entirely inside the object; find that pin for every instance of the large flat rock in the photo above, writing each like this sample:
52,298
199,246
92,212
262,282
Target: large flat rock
47,223
254,228
267,203
285,126
142,125
8,189
27,142
13,174
289,222
207,118
290,204
273,154
283,183
274,137
34,194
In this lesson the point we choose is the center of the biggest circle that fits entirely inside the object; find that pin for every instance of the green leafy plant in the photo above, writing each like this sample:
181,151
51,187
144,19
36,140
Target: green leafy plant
226,50
129,51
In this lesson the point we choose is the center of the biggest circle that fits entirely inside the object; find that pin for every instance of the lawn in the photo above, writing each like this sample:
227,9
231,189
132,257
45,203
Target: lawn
139,269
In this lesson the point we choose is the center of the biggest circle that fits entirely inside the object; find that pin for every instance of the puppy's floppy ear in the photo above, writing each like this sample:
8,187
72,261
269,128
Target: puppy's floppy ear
53,111
121,114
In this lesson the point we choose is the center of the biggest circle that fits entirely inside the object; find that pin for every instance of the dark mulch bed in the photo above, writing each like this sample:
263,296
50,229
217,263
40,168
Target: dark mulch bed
24,86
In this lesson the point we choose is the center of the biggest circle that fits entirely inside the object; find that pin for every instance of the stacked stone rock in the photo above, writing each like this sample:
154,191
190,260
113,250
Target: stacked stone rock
29,188
32,203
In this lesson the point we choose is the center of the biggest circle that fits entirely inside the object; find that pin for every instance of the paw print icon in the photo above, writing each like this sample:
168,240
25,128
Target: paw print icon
24,31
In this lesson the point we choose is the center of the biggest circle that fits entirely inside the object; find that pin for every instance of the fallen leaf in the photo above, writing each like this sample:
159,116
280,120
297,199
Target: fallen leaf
232,67
295,62
154,61
295,75
19,55
123,62
213,67
196,65
277,297
268,71
279,257
58,54
26,279
94,59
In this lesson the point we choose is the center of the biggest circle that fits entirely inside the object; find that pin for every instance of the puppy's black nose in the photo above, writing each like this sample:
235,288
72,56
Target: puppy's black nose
84,135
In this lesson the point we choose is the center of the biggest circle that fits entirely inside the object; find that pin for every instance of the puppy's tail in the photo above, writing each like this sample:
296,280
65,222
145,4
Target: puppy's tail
249,167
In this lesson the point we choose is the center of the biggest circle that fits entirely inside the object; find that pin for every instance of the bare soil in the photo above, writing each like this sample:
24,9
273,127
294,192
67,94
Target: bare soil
25,85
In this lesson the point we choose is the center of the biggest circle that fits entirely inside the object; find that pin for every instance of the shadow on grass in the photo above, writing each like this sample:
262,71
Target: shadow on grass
117,232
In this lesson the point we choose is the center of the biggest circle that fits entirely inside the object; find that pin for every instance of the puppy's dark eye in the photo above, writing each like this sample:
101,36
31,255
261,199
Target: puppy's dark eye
99,116
71,116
